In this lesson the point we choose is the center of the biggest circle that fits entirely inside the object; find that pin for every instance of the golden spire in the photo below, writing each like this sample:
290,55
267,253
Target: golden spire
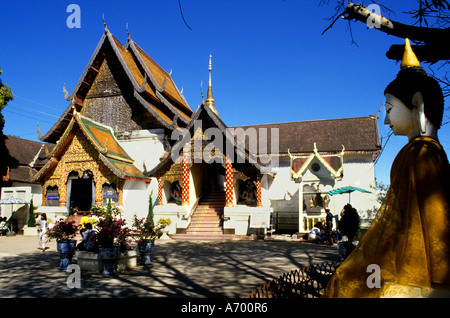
209,96
409,58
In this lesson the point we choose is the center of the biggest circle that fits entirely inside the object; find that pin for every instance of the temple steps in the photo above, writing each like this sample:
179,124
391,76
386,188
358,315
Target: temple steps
207,219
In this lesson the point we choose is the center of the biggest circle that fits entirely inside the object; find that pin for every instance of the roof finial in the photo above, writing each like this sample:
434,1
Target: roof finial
409,58
128,32
209,96
104,23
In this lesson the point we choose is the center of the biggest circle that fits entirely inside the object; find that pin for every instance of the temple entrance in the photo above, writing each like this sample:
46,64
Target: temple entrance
81,192
215,176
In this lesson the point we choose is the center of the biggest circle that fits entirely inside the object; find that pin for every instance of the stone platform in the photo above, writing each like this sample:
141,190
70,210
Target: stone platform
89,261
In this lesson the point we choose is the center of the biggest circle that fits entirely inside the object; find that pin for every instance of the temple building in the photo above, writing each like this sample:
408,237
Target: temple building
128,133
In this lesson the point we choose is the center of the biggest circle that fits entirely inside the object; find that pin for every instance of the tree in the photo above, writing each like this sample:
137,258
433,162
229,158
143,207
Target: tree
5,159
150,208
31,217
428,30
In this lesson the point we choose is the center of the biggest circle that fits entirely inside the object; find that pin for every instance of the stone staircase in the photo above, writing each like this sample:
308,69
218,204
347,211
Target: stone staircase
207,219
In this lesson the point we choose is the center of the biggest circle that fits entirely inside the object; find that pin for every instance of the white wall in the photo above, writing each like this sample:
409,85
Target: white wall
135,199
144,147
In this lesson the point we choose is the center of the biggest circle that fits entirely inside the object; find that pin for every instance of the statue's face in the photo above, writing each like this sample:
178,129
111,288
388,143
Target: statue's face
398,117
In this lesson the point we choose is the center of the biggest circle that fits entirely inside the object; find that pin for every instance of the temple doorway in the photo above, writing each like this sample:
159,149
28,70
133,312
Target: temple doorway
81,192
215,176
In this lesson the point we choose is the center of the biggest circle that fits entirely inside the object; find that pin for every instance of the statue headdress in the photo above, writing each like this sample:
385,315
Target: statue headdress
411,79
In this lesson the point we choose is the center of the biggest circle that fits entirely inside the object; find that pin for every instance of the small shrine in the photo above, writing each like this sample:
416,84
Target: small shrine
316,174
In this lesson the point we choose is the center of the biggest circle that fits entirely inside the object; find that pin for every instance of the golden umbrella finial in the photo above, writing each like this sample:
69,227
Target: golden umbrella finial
409,58
209,95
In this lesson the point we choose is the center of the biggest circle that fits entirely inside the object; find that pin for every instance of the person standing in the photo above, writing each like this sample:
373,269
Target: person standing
42,225
329,226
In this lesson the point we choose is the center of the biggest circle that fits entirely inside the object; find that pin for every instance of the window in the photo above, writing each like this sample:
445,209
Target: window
52,197
109,191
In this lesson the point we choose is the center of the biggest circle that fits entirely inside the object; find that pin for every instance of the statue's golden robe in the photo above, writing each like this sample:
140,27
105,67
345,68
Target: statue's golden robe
409,238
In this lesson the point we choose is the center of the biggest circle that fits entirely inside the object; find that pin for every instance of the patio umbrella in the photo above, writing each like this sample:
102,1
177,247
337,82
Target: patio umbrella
348,190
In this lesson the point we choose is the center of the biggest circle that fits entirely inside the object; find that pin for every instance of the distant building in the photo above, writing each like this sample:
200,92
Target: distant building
29,157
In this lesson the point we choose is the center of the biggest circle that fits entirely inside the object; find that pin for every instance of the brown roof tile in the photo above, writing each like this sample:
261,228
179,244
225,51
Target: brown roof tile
356,134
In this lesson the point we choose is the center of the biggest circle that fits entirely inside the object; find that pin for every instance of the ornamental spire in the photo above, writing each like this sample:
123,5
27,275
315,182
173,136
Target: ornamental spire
409,58
209,96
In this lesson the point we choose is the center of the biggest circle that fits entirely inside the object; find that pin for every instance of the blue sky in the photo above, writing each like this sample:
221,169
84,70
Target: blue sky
270,61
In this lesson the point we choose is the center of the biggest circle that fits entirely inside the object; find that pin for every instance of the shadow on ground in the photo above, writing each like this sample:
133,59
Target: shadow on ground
180,269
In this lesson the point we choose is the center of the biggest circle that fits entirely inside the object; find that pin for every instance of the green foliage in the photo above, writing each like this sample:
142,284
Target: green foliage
350,222
382,189
108,207
104,210
5,158
31,217
164,222
150,208
5,96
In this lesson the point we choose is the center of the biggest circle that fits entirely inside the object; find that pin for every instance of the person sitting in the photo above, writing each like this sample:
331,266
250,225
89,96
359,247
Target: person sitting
3,226
88,242
83,222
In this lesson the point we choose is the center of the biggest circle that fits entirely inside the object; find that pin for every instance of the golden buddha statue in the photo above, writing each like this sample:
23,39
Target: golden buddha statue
409,239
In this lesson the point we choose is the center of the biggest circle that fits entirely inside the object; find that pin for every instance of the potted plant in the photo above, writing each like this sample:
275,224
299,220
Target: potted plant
145,233
164,223
64,232
350,226
112,238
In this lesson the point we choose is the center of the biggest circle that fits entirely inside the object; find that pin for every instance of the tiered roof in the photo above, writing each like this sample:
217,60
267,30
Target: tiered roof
110,152
153,87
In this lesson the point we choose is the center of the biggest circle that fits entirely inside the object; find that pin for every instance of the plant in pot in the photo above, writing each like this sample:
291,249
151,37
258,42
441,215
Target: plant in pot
164,223
350,226
64,232
112,238
145,232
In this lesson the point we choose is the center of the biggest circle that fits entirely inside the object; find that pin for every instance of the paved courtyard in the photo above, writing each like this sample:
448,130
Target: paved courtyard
194,269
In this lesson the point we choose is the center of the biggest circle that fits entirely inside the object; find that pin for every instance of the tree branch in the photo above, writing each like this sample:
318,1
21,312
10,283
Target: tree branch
422,34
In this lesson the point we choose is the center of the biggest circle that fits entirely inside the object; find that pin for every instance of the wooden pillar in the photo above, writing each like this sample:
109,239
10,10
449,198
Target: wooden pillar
228,182
120,185
185,185
160,191
258,191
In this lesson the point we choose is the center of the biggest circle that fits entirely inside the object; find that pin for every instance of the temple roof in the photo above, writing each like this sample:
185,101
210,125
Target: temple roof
152,87
103,140
208,118
29,156
356,134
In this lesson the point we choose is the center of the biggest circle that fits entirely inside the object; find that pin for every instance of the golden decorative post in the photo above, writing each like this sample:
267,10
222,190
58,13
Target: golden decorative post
258,191
160,191
185,185
229,182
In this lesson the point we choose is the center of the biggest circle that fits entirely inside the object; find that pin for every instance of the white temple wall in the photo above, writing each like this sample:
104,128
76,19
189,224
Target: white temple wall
135,199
